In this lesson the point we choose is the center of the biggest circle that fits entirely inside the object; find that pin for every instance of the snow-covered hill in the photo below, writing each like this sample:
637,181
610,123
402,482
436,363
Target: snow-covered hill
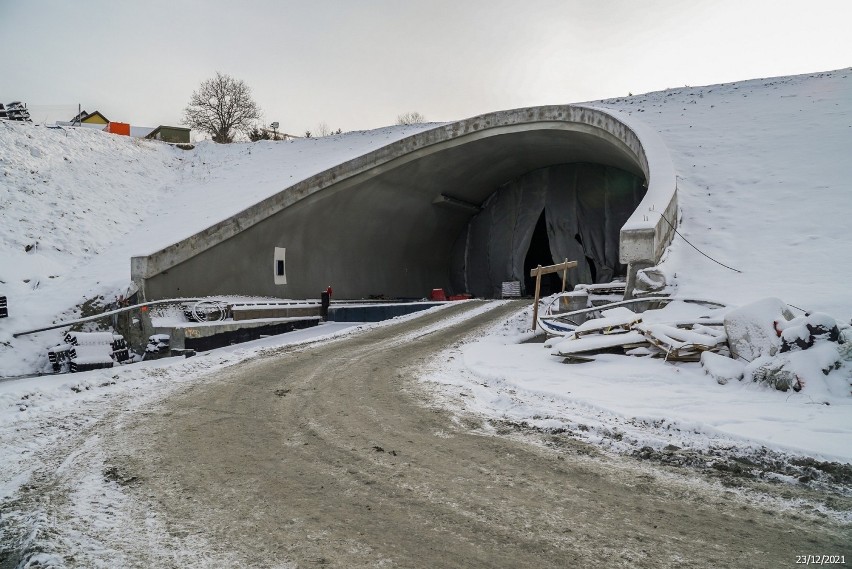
764,186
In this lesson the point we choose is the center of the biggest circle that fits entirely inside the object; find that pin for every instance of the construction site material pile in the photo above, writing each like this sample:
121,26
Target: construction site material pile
655,333
762,341
83,351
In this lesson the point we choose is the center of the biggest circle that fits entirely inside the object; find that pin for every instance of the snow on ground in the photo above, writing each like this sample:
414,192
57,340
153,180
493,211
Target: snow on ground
625,402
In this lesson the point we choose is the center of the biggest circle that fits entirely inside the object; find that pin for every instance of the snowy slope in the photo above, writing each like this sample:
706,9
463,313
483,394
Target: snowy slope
765,186
67,197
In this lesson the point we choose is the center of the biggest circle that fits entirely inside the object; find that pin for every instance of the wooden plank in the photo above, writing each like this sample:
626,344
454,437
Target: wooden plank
565,265
535,302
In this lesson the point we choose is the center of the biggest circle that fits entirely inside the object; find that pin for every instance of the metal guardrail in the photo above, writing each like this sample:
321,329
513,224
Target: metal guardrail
107,313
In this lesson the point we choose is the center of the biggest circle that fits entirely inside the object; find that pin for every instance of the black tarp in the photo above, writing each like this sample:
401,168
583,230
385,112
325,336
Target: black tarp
585,206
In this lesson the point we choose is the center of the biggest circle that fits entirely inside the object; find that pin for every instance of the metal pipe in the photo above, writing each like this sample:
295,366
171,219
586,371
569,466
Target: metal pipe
108,313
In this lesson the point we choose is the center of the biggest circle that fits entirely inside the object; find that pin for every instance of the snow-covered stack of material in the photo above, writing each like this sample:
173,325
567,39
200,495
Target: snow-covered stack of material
88,357
58,356
668,333
158,344
84,351
786,352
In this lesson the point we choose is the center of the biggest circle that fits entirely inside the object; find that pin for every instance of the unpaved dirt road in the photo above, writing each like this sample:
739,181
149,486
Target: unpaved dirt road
331,456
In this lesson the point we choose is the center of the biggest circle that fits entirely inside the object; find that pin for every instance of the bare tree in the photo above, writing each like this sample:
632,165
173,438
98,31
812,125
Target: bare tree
411,117
221,107
323,129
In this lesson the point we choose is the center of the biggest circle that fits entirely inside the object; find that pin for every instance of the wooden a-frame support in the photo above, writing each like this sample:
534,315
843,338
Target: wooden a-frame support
538,271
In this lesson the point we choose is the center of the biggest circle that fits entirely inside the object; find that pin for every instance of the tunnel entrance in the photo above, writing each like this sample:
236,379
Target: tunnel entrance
571,211
539,254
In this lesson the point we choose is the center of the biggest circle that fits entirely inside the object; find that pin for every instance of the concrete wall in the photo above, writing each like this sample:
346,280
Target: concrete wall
371,226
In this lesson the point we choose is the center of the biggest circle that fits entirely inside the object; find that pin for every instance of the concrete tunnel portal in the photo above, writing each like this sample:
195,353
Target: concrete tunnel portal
463,207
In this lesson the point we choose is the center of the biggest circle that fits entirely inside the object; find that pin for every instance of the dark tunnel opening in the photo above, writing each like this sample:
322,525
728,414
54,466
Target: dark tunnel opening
539,254
567,211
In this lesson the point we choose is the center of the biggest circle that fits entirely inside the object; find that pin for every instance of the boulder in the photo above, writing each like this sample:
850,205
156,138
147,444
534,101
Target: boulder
774,372
721,368
801,333
753,329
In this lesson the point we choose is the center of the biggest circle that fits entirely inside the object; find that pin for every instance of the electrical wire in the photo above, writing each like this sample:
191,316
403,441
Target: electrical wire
696,248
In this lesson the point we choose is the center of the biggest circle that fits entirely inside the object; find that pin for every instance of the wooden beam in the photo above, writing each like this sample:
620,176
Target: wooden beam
553,268
538,271
537,294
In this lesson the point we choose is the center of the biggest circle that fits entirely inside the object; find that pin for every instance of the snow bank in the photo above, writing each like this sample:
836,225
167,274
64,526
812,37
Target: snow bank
625,402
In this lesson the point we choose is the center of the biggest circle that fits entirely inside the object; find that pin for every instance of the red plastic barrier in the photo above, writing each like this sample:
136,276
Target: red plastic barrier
464,296
438,294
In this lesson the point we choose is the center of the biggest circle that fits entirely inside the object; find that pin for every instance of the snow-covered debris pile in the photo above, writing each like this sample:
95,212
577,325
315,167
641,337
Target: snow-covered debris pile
812,347
761,342
721,368
678,330
157,343
783,351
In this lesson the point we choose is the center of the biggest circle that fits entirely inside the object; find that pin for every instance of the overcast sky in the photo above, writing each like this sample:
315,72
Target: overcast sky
357,64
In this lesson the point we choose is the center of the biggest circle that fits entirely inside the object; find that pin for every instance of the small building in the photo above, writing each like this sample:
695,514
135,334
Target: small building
90,118
173,134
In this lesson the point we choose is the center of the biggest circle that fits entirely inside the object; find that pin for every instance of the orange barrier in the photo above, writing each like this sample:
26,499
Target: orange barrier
119,128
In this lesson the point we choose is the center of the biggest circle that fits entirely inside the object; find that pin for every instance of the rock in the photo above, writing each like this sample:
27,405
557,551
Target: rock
721,368
801,333
751,329
774,373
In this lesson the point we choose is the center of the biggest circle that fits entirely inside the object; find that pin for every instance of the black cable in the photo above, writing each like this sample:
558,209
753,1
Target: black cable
696,248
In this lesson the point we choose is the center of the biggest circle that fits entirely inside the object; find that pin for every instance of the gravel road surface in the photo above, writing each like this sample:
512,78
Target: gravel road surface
333,456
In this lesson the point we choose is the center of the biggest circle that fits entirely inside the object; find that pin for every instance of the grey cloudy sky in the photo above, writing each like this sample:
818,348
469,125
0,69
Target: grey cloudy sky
357,64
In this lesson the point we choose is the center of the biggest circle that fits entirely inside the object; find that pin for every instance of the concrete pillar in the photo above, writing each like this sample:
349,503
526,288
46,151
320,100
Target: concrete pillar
632,269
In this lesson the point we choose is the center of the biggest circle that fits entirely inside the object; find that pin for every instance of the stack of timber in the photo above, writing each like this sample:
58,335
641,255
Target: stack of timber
620,330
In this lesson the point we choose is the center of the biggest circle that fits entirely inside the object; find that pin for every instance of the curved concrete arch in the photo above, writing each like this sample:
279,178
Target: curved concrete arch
382,223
